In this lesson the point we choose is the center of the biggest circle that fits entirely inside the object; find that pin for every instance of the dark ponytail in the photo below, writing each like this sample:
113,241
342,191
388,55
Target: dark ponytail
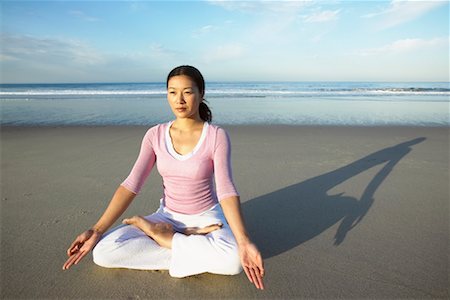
205,112
196,76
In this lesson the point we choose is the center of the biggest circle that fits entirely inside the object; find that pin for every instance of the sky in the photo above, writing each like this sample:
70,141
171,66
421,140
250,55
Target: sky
129,41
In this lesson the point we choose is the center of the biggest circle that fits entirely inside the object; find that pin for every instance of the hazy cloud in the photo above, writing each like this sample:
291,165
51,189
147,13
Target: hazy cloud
287,6
27,58
83,16
203,31
4,57
48,50
400,12
138,6
322,16
405,45
225,52
158,51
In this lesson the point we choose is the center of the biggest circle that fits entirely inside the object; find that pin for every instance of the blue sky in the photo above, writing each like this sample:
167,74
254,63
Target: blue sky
128,41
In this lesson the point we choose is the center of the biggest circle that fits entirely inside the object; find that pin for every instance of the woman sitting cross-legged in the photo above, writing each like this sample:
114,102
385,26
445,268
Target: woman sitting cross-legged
199,225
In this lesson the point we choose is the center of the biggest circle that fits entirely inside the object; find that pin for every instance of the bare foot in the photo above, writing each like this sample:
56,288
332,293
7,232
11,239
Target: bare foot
204,230
162,233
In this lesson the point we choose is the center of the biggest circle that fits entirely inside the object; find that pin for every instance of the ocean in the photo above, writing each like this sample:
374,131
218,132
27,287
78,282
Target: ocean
294,103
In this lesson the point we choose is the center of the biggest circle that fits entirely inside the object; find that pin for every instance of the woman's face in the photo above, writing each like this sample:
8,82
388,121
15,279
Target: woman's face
184,97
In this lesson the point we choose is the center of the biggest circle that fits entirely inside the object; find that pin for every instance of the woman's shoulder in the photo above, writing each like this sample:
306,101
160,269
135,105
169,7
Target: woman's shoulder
218,135
155,131
216,131
159,127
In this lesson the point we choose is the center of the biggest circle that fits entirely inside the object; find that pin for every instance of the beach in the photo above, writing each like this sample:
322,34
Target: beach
337,212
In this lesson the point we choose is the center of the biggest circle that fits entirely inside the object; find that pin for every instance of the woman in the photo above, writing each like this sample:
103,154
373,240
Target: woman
199,226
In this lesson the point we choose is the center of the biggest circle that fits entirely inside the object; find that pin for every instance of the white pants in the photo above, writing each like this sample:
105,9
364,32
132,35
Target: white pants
128,247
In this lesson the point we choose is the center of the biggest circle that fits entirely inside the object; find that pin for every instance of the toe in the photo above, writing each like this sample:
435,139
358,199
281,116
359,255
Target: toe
130,221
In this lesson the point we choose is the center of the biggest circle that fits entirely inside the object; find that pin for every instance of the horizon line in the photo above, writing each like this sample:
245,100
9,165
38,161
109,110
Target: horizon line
233,81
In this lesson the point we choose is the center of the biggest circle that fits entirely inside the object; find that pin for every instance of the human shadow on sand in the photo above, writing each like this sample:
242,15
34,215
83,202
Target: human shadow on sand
286,218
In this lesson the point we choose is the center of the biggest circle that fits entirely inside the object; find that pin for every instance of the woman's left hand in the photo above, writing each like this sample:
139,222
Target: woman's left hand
252,263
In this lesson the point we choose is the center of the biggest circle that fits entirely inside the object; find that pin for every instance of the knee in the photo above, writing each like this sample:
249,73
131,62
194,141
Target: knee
220,263
101,256
228,263
232,264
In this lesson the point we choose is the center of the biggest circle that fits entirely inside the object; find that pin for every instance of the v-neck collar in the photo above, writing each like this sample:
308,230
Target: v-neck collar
171,149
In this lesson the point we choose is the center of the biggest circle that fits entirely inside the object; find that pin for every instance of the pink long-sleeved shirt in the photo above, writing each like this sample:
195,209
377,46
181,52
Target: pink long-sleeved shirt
188,180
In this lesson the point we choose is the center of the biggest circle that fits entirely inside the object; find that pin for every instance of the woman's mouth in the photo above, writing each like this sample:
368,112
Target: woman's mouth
180,109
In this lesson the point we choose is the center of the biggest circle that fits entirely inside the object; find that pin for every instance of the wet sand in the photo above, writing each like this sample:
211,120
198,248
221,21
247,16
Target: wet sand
338,212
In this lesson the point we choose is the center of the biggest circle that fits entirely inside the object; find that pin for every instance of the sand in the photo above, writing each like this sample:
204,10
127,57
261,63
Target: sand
338,212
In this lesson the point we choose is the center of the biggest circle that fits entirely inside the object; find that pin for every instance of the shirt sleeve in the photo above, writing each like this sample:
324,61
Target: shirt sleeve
222,166
143,165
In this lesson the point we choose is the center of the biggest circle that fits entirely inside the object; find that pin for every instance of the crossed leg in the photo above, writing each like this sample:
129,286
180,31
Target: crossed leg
155,242
163,233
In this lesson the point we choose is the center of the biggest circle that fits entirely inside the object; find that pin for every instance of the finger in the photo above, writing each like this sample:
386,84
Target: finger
76,248
205,230
215,227
73,259
66,265
260,265
76,245
72,251
70,262
82,254
259,279
247,272
254,278
72,247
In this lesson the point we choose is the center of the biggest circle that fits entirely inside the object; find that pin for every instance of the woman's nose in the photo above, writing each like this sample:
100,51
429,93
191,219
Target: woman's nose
179,99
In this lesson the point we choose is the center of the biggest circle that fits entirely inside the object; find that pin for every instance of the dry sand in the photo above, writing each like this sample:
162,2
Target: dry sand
338,212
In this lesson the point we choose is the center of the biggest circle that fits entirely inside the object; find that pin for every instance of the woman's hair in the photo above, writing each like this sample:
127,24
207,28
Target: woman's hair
196,76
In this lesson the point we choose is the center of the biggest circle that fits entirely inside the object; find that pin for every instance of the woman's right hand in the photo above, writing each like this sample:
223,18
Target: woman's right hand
84,243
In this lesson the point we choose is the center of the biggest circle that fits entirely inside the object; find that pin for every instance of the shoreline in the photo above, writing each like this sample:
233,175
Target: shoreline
348,212
257,125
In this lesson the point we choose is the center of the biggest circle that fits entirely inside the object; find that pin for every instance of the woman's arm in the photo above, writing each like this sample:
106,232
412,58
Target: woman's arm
251,259
228,197
118,204
232,209
120,201
87,240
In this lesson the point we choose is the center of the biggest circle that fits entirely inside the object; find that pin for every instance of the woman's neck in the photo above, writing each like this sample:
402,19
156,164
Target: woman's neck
187,124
